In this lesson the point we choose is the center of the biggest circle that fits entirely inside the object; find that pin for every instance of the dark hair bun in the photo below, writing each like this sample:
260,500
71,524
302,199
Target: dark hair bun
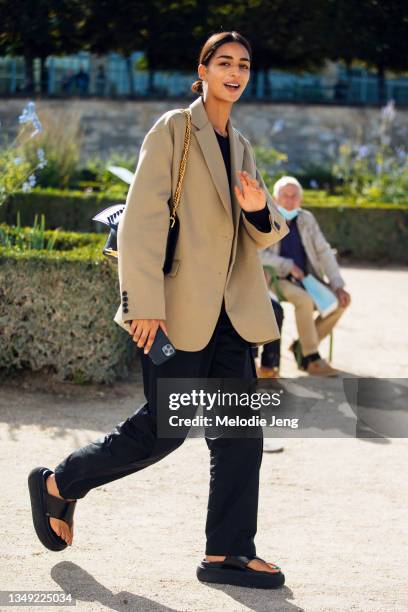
197,86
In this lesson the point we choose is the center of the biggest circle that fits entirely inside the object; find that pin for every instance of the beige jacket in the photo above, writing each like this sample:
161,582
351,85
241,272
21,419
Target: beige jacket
320,257
217,249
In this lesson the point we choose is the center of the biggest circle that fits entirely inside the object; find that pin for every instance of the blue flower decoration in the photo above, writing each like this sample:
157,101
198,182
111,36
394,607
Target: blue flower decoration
29,115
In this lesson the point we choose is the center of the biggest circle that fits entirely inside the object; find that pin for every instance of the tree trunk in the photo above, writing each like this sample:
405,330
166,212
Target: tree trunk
349,88
381,84
29,73
254,83
150,82
267,84
44,77
129,67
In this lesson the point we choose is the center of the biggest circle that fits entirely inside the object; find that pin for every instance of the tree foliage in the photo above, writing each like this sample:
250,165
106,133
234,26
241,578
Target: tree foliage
285,34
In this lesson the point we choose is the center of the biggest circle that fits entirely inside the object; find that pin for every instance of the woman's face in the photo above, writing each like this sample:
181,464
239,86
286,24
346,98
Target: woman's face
229,64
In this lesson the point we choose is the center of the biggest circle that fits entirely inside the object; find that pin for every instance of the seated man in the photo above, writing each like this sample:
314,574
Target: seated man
305,251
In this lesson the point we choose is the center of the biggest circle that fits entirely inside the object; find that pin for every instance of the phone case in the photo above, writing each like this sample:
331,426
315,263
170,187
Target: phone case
161,349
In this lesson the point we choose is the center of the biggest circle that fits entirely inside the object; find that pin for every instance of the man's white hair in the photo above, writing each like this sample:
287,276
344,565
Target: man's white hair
282,182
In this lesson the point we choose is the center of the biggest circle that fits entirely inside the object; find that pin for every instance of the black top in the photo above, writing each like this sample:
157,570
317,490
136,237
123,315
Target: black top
292,246
258,218
223,141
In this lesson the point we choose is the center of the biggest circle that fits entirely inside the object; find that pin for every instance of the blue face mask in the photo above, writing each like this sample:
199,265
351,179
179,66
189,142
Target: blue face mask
289,214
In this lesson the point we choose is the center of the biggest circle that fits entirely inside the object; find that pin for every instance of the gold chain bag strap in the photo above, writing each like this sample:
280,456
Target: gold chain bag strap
174,220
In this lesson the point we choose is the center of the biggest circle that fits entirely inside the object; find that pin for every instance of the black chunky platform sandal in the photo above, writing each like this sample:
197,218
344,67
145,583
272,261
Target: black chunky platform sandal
44,505
235,570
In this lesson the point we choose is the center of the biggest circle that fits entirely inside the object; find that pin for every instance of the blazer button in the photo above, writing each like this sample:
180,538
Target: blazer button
124,292
125,309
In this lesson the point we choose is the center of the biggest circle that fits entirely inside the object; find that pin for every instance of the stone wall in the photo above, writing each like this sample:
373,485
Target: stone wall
307,133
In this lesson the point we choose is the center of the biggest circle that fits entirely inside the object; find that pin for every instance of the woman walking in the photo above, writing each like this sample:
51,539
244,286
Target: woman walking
213,304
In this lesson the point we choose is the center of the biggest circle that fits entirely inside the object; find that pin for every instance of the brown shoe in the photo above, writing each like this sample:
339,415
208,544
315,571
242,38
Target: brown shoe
320,367
264,372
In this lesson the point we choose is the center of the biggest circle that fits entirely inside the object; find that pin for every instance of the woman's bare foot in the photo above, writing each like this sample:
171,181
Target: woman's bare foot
60,527
256,564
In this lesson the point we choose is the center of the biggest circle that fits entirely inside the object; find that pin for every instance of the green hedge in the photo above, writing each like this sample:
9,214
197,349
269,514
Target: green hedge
69,210
370,234
373,233
322,198
76,242
56,311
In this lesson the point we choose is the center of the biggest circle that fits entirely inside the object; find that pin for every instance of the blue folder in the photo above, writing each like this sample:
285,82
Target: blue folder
323,297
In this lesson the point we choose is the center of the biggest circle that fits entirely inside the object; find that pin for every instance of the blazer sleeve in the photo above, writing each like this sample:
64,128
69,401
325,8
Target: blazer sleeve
279,227
143,229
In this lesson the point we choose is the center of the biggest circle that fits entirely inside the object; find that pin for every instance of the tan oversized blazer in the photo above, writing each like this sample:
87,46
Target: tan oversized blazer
217,249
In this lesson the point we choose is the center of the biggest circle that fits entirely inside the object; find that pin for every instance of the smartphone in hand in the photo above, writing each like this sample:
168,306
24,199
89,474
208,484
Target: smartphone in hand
161,349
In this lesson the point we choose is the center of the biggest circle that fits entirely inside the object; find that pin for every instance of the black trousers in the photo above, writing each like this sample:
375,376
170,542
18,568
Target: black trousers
133,445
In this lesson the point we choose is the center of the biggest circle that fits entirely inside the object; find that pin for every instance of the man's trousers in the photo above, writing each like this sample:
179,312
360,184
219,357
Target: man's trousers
133,445
311,330
271,350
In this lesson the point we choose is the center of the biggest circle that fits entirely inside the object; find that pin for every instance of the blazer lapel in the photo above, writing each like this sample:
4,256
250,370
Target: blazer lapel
208,143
